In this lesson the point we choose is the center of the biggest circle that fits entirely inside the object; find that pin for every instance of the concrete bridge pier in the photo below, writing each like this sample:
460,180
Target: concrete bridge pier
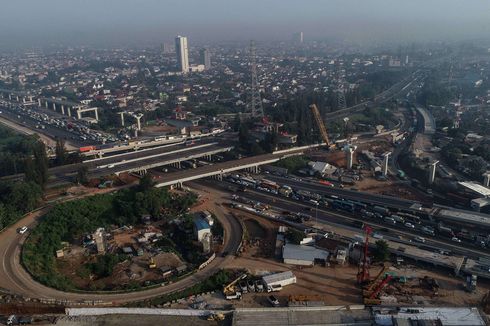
39,102
62,109
46,104
69,111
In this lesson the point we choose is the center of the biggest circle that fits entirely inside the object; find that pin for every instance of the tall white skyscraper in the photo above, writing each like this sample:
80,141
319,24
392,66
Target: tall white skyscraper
182,53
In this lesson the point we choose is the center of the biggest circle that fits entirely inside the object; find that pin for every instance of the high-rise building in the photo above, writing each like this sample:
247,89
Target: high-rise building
298,37
205,58
182,53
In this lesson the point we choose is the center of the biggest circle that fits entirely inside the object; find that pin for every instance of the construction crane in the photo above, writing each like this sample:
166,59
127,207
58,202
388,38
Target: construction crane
373,283
363,273
373,299
229,289
320,124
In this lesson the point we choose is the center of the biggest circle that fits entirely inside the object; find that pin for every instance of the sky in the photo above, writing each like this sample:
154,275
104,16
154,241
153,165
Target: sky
25,23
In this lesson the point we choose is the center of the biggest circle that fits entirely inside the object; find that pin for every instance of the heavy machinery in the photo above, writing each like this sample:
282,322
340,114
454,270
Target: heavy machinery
372,297
216,317
370,287
363,272
151,263
320,124
229,290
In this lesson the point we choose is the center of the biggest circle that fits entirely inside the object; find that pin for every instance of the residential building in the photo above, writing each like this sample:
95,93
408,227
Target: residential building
182,52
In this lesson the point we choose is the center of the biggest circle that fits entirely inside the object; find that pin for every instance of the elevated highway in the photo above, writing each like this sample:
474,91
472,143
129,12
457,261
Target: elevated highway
134,161
252,163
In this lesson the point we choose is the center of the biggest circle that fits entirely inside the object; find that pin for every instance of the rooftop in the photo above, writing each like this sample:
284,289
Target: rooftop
292,251
446,315
201,224
476,187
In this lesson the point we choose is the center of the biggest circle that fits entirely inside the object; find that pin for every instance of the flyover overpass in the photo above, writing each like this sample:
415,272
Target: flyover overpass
134,161
252,163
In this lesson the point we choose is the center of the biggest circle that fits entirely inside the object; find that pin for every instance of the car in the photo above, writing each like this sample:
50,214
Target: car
273,301
409,225
419,239
23,230
455,239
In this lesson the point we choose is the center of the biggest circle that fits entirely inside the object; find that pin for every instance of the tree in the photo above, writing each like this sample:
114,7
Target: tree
294,236
40,163
60,151
146,183
381,252
82,175
244,136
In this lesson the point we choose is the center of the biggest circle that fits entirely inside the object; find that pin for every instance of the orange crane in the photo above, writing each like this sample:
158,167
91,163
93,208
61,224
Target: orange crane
363,273
320,124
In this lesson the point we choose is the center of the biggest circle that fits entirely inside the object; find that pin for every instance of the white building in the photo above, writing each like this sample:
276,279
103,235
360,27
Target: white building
182,53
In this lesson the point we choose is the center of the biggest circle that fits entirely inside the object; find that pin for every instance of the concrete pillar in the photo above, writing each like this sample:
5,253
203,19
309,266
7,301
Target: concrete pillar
350,157
62,109
79,114
18,98
39,101
122,118
100,154
10,97
486,179
69,111
386,158
138,121
46,104
54,106
432,172
97,114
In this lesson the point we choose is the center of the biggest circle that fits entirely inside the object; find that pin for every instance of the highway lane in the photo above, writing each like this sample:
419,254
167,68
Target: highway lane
131,161
317,187
50,130
15,279
345,220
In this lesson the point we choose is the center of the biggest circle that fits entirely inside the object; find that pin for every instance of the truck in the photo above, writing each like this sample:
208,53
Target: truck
285,191
381,210
85,149
444,230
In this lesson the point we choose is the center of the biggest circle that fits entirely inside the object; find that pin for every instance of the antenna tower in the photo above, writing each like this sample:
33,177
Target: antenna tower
256,103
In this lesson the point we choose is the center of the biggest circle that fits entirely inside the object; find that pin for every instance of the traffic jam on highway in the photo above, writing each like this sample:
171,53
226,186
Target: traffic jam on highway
421,226
78,129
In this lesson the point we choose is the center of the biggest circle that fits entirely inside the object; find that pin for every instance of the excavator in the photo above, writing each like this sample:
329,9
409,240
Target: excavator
229,290
151,263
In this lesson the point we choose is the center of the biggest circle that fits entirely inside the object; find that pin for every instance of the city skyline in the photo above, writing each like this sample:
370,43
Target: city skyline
30,23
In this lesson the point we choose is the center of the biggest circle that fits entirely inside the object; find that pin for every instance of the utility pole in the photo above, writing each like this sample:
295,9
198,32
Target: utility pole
255,100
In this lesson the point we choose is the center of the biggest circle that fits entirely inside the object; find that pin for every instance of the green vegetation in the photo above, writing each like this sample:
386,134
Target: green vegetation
217,228
17,199
293,163
71,220
104,265
381,253
294,236
15,149
215,282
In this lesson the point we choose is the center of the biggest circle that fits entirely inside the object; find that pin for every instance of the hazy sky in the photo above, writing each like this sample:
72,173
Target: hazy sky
125,22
